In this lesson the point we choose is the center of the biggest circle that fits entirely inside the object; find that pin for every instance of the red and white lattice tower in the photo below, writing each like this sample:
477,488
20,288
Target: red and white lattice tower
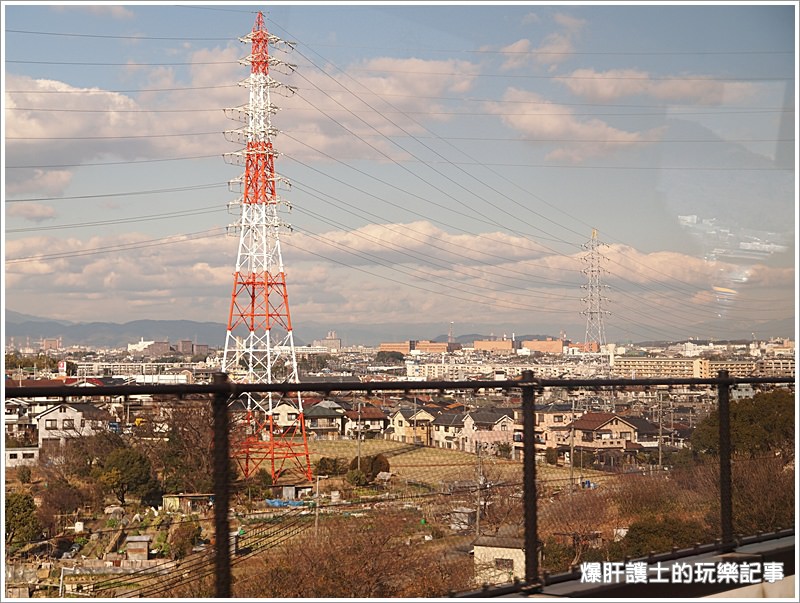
259,345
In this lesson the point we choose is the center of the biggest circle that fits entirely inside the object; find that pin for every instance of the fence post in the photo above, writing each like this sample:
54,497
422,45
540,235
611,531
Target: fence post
725,495
529,480
222,560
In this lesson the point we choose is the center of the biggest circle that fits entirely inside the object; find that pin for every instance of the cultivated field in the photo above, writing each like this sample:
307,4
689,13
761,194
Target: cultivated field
437,466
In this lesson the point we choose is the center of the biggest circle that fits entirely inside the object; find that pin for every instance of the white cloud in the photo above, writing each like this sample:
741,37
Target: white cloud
72,133
537,118
410,81
368,100
320,277
34,212
555,48
50,182
517,54
116,12
415,243
99,121
604,86
571,24
327,284
112,11
530,18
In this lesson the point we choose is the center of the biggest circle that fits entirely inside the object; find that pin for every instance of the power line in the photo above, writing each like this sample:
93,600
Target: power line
183,134
99,64
133,219
349,91
114,37
425,49
122,91
435,279
600,76
98,163
53,110
170,240
406,231
495,303
156,191
465,99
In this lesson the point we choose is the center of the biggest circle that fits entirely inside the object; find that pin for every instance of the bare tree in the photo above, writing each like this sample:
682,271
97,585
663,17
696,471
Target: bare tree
180,445
577,520
364,557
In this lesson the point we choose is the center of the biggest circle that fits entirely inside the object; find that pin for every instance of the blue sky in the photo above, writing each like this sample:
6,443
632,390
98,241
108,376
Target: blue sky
448,163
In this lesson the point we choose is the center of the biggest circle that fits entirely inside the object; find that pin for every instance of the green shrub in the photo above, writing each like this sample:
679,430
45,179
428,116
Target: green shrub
24,475
356,477
331,466
649,535
183,538
371,465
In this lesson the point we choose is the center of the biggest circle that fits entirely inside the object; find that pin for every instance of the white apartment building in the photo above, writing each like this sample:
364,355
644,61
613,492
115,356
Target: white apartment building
651,368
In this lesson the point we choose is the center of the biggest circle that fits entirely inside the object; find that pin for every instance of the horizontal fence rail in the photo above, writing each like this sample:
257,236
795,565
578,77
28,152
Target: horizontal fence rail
236,389
223,391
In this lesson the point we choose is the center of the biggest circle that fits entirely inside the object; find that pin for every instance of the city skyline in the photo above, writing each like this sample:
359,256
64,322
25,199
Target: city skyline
449,163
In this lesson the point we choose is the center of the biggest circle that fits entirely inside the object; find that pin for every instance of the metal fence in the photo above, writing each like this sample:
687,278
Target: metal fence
529,388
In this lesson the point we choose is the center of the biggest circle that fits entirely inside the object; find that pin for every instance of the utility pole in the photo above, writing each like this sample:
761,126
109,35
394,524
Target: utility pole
316,506
480,485
572,448
660,413
671,422
415,420
358,435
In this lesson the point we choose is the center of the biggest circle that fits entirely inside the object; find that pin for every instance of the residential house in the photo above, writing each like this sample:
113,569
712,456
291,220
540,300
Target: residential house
69,420
19,420
550,421
610,438
324,419
488,428
648,434
412,426
448,431
367,419
284,415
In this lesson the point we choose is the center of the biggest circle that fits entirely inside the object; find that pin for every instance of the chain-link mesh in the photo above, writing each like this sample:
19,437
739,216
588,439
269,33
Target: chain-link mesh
620,474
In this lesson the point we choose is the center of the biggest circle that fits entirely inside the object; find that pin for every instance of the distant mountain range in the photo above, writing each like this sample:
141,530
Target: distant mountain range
23,328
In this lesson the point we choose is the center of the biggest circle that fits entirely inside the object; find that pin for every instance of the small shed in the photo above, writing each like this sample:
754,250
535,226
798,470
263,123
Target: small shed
461,518
187,503
138,547
18,591
499,560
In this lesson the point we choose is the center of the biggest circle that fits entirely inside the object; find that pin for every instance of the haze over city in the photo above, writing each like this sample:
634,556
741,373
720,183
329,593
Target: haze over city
448,164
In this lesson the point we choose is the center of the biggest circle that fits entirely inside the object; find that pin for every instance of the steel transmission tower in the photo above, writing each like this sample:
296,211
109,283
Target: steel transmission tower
595,330
259,345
